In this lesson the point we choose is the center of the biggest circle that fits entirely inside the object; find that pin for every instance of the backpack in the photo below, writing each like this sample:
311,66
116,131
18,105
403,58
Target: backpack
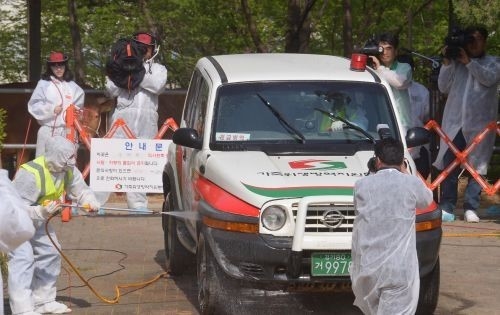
125,66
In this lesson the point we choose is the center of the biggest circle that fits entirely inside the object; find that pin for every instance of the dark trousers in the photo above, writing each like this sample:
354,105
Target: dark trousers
449,187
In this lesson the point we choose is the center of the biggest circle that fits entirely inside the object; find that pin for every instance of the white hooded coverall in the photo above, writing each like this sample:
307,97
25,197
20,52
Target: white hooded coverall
47,95
139,109
35,265
471,105
384,272
420,110
15,224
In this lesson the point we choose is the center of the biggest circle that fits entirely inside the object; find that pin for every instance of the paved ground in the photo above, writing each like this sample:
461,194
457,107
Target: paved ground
124,249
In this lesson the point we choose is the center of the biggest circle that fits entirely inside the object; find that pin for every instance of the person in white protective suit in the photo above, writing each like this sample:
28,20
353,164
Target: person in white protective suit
15,224
471,82
420,112
384,273
419,103
397,74
139,107
53,94
35,265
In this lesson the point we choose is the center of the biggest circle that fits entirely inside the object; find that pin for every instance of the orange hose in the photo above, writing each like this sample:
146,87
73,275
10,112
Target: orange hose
86,282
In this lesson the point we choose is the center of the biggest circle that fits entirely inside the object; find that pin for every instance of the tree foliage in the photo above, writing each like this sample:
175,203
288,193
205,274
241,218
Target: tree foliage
189,29
13,41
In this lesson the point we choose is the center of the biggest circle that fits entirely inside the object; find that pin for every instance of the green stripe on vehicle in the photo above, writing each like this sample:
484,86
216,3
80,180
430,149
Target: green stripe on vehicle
300,191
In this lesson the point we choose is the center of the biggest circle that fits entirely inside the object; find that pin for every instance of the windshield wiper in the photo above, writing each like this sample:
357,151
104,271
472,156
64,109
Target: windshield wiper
282,120
348,123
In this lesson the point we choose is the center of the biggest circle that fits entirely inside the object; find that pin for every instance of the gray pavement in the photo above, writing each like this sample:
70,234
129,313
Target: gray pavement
120,249
117,250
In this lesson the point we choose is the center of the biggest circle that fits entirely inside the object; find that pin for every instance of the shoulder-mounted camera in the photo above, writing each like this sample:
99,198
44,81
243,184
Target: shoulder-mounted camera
371,48
457,38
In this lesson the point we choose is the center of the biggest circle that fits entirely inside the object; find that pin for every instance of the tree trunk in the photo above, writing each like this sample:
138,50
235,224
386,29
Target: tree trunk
77,44
149,20
34,40
347,28
252,28
153,28
298,26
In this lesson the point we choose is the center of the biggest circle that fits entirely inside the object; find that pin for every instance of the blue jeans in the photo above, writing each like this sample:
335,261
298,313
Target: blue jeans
449,187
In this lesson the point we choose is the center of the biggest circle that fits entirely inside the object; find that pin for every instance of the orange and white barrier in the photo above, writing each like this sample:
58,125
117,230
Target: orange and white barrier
461,157
73,125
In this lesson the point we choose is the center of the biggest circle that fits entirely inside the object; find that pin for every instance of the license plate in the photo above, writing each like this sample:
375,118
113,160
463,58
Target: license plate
330,264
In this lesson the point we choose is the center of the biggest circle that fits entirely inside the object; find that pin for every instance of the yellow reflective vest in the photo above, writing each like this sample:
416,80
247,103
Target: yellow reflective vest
44,182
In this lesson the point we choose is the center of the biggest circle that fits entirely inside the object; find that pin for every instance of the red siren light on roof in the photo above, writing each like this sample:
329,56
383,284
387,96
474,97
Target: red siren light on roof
358,62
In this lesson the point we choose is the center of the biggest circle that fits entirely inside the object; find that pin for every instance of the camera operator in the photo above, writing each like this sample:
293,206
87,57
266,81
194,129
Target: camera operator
398,74
139,107
384,272
471,80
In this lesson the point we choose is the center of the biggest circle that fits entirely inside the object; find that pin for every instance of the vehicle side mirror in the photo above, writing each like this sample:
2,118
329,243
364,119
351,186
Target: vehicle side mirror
187,137
417,136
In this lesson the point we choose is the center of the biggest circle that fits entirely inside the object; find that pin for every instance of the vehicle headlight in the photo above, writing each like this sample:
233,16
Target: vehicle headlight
273,218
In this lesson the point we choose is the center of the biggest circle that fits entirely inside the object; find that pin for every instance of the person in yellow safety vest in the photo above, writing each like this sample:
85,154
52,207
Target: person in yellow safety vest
340,105
35,265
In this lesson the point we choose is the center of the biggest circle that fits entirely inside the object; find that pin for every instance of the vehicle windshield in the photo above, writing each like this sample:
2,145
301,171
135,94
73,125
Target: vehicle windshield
259,114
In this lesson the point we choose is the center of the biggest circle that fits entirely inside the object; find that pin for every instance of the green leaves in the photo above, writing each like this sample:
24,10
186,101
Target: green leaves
189,29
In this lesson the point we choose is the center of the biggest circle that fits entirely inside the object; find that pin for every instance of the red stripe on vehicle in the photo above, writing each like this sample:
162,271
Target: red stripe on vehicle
222,200
433,206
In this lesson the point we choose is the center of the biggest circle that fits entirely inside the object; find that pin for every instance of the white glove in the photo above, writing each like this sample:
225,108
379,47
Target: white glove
45,211
337,125
91,206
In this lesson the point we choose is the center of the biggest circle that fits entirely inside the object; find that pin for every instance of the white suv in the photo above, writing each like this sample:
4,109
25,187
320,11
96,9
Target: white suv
260,175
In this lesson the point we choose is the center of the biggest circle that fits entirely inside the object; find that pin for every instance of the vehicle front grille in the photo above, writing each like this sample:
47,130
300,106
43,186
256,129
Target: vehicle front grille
316,213
251,269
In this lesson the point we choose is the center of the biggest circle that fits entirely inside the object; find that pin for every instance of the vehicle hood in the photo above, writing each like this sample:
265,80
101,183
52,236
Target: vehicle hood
257,178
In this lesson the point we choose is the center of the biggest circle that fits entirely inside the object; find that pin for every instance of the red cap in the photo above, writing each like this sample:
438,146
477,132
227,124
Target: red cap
57,56
144,38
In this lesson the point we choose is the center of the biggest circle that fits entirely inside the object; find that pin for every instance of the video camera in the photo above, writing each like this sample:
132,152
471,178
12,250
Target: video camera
457,38
384,132
371,48
372,165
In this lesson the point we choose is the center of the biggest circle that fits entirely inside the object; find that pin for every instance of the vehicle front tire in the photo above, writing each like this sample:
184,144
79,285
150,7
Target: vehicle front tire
209,287
429,292
177,257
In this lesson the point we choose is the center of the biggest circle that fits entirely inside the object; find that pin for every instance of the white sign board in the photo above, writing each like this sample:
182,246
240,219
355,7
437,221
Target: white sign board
127,165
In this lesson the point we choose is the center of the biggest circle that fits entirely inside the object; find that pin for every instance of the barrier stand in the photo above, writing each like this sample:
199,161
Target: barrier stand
168,124
73,125
461,157
120,123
